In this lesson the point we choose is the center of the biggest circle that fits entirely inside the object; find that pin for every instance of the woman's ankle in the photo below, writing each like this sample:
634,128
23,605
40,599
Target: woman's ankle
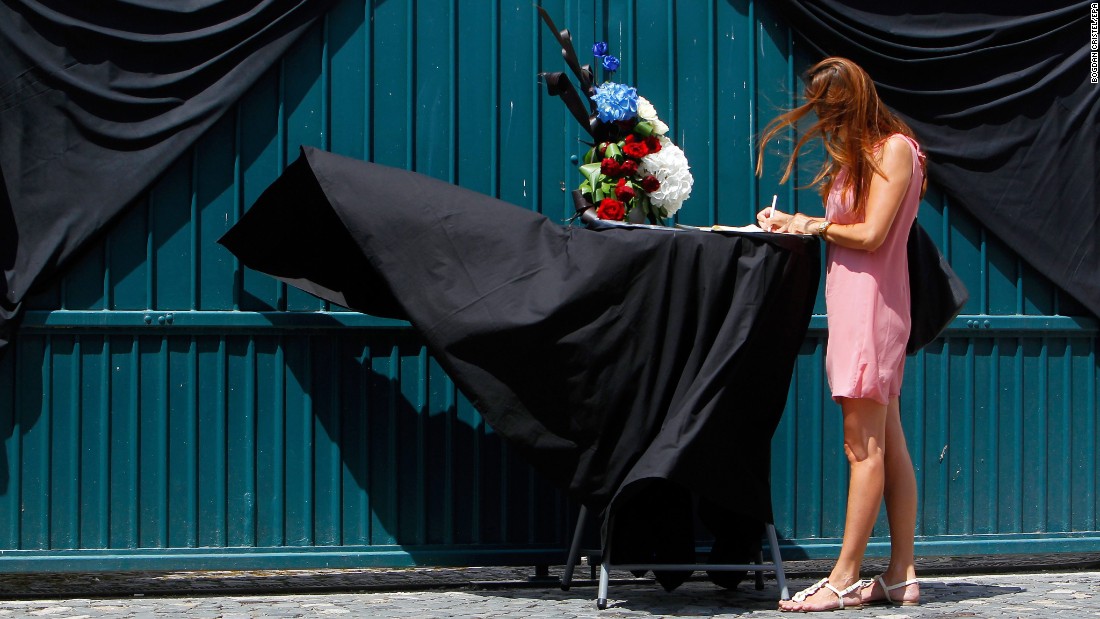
896,573
842,577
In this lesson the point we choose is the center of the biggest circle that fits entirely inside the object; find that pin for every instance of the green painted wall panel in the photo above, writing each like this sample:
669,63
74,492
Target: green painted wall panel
165,407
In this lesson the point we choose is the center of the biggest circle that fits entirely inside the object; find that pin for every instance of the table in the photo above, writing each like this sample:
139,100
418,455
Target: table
623,363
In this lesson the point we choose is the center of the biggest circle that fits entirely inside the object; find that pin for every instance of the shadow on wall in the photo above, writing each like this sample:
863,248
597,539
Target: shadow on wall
429,467
321,438
8,421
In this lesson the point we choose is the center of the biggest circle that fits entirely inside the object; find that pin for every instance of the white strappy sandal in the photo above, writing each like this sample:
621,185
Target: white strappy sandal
886,589
840,593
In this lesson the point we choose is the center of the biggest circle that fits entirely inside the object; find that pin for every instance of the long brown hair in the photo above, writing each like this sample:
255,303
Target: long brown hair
851,121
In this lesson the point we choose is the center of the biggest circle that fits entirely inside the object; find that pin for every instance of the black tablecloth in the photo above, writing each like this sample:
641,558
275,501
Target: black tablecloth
613,359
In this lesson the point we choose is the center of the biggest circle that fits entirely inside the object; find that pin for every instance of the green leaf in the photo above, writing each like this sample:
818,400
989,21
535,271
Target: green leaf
590,156
614,151
591,171
644,128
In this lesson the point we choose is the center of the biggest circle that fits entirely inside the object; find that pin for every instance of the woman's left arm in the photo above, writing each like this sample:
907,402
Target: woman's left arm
883,202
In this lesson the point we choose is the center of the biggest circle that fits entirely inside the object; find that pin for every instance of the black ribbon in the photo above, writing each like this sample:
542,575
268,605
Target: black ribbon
580,203
584,74
558,85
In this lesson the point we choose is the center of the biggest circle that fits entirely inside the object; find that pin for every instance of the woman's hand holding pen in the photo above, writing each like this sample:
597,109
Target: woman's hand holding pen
777,221
772,220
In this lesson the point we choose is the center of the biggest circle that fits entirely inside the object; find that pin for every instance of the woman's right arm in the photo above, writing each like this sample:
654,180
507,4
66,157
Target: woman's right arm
883,202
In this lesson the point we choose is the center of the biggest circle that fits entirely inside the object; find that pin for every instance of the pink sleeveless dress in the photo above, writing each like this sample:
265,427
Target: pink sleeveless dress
867,300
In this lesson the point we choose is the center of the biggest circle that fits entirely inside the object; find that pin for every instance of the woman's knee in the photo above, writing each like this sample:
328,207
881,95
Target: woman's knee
864,430
865,453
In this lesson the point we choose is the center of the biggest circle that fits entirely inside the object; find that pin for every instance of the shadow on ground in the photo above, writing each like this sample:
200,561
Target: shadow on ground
701,598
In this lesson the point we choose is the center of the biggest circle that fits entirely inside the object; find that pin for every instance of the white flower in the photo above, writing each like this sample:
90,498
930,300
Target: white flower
648,113
670,166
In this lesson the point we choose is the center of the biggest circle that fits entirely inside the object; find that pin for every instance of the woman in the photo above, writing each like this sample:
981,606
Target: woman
871,182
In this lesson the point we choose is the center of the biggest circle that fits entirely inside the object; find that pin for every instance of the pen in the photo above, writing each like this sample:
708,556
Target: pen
772,211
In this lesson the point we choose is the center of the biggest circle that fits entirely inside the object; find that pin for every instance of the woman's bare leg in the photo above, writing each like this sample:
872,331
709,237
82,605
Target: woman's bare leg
864,444
900,492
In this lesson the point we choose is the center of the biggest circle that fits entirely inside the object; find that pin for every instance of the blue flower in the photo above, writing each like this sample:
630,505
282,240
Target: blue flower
616,102
599,49
610,63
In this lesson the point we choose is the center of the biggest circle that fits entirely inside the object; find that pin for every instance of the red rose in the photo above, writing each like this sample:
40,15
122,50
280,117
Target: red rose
630,139
650,184
610,167
629,167
624,191
636,150
653,144
611,209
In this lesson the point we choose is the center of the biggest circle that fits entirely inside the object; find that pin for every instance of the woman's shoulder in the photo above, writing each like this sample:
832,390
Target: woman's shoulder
897,147
899,142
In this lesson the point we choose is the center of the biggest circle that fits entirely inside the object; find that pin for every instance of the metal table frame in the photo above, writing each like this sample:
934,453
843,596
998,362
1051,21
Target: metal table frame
760,567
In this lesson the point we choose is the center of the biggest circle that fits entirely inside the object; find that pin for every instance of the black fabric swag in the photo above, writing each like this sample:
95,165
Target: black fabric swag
609,358
98,98
999,94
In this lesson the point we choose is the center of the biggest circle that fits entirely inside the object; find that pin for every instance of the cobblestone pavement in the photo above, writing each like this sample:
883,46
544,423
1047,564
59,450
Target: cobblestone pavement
504,592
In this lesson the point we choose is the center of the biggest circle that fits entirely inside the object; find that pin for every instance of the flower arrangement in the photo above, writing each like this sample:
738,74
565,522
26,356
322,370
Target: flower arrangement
632,172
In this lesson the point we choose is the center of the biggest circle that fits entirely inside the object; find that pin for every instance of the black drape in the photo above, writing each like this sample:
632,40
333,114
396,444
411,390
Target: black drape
609,358
999,94
98,98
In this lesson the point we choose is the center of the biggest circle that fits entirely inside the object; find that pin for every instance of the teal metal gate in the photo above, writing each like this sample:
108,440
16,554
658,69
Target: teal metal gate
165,408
